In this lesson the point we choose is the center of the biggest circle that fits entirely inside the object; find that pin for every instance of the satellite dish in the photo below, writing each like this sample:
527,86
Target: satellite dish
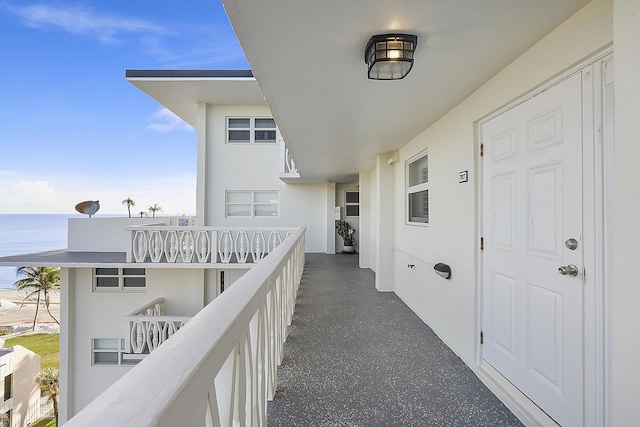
89,207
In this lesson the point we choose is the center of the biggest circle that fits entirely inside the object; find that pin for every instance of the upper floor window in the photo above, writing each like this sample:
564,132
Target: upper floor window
8,387
251,130
252,203
119,279
418,189
352,204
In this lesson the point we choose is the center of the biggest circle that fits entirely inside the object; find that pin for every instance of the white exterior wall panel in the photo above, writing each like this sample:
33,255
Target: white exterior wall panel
449,306
242,166
625,292
101,315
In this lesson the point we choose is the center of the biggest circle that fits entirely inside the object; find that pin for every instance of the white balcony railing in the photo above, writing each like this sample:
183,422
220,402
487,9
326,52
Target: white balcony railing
211,245
221,367
287,170
287,165
148,327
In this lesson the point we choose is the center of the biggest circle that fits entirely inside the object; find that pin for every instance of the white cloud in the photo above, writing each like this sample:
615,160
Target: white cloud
174,193
27,196
165,121
7,173
83,21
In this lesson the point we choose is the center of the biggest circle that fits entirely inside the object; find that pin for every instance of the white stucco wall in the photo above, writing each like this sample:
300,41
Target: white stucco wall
625,289
104,234
24,402
100,315
365,220
449,306
256,167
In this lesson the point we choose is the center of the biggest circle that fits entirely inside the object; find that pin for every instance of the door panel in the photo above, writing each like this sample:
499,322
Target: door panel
532,203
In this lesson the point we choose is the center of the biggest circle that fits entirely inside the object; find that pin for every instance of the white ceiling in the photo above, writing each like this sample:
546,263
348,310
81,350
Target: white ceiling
308,59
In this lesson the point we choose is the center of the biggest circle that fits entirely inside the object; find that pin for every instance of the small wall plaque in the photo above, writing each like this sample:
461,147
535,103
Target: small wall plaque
463,176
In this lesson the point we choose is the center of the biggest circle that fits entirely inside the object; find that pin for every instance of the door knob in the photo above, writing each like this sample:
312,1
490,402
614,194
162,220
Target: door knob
568,270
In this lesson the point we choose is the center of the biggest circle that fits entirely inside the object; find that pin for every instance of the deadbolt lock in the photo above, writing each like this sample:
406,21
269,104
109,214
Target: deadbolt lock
571,244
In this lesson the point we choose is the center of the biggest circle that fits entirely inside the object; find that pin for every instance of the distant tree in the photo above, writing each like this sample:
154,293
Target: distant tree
153,209
39,280
48,379
4,419
129,202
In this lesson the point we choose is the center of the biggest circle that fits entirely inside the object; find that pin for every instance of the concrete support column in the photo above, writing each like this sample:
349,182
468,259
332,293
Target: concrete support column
331,222
624,289
201,166
384,223
66,345
365,220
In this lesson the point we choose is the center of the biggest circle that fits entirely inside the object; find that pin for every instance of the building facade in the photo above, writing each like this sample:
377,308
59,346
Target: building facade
20,394
524,185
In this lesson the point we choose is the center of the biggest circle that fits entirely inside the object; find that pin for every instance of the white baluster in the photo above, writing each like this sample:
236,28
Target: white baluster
274,240
138,337
140,246
258,246
171,246
155,246
203,243
168,330
186,246
153,335
242,243
225,244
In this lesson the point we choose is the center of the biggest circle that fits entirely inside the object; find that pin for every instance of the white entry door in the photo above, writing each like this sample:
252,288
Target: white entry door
533,246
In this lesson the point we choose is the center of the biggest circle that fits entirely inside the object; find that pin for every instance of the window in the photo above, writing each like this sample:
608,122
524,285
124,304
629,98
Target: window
109,352
8,380
418,189
106,351
120,279
352,204
251,130
252,204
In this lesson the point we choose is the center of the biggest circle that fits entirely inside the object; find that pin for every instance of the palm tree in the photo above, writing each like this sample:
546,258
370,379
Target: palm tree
155,208
48,379
40,279
129,202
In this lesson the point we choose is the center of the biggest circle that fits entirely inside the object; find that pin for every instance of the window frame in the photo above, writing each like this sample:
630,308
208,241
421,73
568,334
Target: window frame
416,188
121,277
8,387
347,204
252,204
120,361
252,131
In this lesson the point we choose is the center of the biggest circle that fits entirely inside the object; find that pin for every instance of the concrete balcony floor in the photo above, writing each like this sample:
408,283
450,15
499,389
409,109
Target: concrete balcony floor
357,357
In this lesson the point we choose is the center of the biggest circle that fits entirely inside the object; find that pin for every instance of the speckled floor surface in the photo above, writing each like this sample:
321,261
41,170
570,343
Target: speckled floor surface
357,357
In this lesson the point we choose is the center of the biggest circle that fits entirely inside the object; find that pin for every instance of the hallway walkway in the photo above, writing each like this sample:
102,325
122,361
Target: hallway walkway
357,357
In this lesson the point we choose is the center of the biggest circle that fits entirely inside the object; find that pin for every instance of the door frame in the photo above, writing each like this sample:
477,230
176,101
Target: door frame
597,163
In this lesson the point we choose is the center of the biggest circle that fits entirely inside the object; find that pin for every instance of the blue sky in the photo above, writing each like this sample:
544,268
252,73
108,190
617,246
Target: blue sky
73,129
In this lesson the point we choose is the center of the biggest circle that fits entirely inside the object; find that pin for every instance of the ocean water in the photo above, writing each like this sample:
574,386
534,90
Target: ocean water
21,234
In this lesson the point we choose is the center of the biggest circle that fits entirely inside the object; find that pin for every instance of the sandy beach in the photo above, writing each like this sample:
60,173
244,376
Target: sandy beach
18,313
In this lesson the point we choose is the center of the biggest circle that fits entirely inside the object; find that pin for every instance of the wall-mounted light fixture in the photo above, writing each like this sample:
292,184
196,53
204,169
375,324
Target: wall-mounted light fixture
442,270
390,56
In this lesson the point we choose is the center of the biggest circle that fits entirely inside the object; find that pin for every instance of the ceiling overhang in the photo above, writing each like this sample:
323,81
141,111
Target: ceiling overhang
308,60
181,90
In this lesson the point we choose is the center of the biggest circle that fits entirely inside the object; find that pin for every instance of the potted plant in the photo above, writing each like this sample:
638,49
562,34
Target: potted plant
347,233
